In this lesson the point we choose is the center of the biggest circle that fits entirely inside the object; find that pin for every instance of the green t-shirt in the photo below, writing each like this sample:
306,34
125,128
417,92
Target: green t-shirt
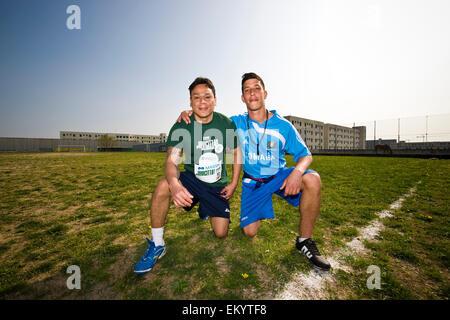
204,146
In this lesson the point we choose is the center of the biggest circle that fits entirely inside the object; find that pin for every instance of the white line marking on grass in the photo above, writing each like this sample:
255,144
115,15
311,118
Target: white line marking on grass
312,285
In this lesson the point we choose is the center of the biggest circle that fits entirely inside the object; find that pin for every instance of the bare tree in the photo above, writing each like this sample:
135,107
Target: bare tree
106,141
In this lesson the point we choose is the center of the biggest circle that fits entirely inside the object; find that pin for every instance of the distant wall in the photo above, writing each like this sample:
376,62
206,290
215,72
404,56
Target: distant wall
417,153
28,144
154,147
50,145
402,145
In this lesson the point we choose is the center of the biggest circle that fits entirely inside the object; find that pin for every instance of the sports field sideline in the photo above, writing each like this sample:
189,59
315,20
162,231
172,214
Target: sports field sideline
91,210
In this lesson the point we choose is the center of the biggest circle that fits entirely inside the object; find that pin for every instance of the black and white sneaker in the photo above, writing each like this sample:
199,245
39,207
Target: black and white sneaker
309,249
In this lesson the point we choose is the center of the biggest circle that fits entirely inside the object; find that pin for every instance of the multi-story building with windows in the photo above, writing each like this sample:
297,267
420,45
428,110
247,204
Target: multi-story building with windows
319,135
139,138
311,131
340,137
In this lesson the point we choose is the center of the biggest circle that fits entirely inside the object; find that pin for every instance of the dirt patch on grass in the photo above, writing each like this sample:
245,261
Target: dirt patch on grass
265,290
49,285
417,281
122,240
195,238
123,264
50,288
221,265
316,283
96,204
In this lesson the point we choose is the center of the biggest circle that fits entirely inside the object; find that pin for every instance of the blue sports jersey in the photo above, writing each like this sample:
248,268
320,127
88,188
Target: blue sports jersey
280,137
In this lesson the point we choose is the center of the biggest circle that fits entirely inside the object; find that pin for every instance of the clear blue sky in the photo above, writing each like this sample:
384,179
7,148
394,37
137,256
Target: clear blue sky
128,68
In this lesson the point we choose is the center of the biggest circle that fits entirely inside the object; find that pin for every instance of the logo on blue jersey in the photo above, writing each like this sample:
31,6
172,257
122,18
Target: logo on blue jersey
271,145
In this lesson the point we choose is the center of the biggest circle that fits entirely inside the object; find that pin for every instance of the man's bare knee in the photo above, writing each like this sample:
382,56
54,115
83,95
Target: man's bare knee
251,229
250,232
220,233
162,189
219,226
312,181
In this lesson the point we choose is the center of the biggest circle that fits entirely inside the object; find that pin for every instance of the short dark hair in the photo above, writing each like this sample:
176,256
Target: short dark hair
205,81
251,75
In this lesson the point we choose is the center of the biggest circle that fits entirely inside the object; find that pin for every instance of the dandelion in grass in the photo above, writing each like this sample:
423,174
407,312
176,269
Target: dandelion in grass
244,275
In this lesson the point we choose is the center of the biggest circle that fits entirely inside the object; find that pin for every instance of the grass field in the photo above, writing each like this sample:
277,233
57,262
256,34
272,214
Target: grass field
91,210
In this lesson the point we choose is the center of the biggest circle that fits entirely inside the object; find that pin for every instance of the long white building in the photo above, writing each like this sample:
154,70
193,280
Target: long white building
316,134
139,138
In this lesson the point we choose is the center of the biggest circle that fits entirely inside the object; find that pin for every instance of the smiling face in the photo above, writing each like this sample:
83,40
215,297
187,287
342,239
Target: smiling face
253,94
203,102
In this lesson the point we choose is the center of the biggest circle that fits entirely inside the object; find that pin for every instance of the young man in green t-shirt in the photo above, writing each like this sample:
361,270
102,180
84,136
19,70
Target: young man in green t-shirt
204,143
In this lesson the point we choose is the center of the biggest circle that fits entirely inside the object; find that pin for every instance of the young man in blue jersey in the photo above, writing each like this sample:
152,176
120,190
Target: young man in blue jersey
265,136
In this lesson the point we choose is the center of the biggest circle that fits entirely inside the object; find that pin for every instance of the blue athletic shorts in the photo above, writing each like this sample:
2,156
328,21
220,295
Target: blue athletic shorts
256,203
211,202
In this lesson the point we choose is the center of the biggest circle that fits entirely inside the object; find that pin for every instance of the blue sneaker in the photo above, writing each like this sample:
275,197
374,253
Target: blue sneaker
152,254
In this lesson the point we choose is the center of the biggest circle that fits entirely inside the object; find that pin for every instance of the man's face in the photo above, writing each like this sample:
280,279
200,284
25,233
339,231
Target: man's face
254,94
202,101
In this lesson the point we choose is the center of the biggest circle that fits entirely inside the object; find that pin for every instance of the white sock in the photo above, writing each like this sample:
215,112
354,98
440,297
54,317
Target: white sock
157,236
301,239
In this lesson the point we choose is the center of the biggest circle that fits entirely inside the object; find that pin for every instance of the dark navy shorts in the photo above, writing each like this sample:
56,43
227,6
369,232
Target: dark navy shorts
256,203
211,202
